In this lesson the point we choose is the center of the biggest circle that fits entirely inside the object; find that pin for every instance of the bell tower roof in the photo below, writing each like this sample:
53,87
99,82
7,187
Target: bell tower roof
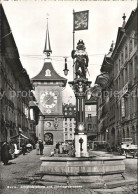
48,74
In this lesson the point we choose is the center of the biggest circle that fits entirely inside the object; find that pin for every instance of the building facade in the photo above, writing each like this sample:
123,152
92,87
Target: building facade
118,102
15,87
91,118
69,122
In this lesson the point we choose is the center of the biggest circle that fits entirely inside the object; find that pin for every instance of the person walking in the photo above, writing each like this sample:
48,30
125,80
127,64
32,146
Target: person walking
37,148
5,153
23,149
41,147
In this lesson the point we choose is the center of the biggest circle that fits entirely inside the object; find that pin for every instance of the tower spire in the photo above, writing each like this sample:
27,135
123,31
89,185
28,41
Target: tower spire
47,48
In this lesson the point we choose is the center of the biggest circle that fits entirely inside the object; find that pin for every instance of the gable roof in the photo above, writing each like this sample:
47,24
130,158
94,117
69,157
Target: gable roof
41,76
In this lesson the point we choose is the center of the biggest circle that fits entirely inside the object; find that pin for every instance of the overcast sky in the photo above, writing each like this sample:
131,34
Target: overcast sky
27,20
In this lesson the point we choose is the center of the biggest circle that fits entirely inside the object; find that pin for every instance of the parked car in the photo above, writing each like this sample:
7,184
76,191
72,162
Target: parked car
128,149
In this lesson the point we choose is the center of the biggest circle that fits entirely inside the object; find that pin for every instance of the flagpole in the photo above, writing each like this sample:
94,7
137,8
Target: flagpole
73,42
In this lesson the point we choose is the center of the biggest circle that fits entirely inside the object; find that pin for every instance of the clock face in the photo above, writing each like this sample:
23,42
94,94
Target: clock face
48,99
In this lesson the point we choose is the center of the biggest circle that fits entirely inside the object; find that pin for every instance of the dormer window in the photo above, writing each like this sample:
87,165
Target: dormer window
47,72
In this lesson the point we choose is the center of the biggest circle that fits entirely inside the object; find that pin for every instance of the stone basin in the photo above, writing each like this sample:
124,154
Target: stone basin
93,172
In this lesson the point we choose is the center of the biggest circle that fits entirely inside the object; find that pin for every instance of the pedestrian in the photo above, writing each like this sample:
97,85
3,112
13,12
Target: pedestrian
5,153
41,147
57,148
23,149
37,148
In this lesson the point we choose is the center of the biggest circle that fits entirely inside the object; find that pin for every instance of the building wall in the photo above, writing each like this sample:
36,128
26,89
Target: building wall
126,82
91,127
15,87
123,83
69,121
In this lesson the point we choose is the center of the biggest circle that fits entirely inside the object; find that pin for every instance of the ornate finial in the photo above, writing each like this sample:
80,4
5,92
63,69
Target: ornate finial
47,48
124,22
111,48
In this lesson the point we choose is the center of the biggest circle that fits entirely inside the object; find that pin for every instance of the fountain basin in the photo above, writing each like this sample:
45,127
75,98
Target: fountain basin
93,172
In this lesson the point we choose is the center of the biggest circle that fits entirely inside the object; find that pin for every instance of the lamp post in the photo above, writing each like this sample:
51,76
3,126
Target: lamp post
66,69
80,86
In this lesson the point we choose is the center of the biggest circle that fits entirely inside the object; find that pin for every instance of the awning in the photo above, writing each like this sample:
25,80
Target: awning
19,135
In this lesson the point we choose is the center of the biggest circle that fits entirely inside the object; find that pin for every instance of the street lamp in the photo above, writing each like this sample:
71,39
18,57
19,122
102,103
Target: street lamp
66,69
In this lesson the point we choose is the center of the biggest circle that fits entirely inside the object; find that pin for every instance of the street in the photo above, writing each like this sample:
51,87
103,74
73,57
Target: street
22,172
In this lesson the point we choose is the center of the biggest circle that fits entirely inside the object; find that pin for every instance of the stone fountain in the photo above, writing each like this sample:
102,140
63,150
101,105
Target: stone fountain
92,172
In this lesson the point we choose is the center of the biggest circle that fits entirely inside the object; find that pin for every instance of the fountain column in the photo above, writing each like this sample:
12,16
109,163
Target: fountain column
80,85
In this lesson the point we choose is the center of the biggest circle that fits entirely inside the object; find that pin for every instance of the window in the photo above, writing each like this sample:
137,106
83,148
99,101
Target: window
70,129
126,75
123,107
119,65
89,116
126,52
65,119
89,108
122,59
66,129
135,68
130,45
70,135
89,127
47,72
135,39
70,119
131,70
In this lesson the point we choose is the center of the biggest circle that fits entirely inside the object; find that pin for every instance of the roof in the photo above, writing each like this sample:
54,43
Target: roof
107,63
54,76
102,79
10,52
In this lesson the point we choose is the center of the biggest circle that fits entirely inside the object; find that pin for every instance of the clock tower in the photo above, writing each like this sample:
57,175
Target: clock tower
48,86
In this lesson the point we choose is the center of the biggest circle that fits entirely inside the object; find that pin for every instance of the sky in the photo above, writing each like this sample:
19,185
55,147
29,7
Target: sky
28,18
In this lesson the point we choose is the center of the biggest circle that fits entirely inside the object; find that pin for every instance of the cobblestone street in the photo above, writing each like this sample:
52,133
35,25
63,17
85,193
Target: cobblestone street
21,174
